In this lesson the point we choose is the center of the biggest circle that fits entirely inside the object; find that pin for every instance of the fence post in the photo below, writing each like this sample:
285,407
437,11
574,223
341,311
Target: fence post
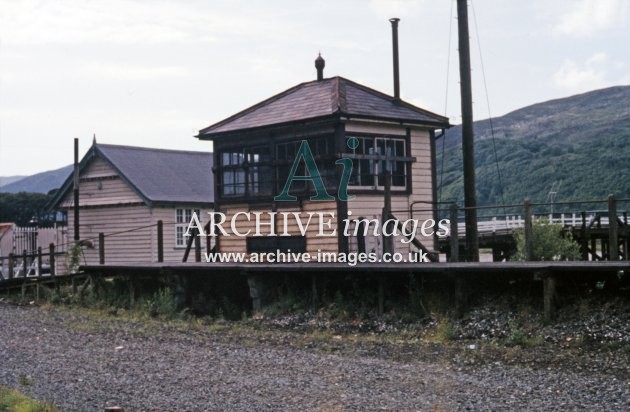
11,263
584,240
454,239
197,247
160,241
25,263
528,230
39,261
625,237
549,292
101,248
53,270
613,229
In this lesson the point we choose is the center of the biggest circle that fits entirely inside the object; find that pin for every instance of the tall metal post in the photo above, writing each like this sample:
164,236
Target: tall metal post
394,21
470,199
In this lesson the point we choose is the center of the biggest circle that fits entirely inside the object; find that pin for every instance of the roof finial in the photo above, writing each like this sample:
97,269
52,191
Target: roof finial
94,139
320,63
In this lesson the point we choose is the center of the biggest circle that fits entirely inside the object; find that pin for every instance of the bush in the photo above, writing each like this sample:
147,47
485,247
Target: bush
162,303
73,258
550,242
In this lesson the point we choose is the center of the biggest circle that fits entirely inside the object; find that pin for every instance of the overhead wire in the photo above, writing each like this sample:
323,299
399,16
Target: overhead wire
485,85
448,68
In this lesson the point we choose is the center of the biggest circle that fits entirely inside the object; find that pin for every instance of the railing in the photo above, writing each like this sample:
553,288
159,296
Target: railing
595,230
29,264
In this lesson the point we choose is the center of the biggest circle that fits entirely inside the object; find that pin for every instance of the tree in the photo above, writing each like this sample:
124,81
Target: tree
21,207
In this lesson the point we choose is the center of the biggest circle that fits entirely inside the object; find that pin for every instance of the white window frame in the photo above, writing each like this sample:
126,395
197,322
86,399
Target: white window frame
376,165
183,215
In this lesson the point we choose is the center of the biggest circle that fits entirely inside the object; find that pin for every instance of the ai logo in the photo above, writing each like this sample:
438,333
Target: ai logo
305,155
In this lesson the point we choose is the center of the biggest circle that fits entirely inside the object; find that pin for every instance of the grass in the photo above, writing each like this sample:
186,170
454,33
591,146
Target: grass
12,400
445,331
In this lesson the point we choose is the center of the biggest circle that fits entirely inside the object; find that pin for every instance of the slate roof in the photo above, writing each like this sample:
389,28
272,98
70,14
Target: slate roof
328,97
158,176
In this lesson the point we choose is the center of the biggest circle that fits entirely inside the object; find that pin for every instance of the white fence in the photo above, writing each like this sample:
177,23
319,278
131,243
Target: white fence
506,224
17,239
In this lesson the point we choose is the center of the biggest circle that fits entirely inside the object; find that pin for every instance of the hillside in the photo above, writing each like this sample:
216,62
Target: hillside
38,183
5,180
580,145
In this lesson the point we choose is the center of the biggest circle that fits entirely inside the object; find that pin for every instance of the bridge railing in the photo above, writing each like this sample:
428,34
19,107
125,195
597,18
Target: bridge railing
600,236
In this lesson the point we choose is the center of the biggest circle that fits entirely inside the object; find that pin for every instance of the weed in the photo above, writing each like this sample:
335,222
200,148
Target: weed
14,400
25,380
445,331
163,304
517,337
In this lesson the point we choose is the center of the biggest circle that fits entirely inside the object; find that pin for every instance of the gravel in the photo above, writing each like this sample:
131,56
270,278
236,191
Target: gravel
82,361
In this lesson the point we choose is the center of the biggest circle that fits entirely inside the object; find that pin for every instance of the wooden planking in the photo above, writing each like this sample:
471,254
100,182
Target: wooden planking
421,168
371,206
105,191
313,242
140,243
121,244
98,167
357,127
167,215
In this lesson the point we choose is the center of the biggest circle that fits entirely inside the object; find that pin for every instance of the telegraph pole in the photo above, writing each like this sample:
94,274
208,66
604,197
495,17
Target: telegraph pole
468,148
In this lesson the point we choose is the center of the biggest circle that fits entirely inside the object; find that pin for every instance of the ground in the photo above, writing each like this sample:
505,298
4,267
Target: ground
78,359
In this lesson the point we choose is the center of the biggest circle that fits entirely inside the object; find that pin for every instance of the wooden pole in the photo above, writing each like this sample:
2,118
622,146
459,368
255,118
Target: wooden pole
11,267
39,261
454,239
101,248
388,241
549,291
584,237
197,246
613,229
76,190
625,236
25,263
528,231
208,239
255,292
160,241
468,149
51,248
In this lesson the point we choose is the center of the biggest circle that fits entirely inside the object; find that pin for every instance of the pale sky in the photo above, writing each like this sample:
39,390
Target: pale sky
152,73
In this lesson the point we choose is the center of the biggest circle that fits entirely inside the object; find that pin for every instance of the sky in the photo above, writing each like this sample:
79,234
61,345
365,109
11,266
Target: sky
153,73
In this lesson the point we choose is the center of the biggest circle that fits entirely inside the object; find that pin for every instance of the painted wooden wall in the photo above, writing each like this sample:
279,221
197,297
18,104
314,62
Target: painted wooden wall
370,206
313,241
110,206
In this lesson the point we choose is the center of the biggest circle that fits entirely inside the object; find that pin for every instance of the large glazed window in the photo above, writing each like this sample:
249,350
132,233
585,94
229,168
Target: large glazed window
286,153
250,172
246,172
373,157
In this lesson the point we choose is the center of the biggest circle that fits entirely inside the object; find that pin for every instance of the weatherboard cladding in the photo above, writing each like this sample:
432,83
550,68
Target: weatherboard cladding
157,176
327,97
164,176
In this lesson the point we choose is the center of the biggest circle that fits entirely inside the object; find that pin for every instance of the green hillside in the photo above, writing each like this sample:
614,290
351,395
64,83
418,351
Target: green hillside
579,145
